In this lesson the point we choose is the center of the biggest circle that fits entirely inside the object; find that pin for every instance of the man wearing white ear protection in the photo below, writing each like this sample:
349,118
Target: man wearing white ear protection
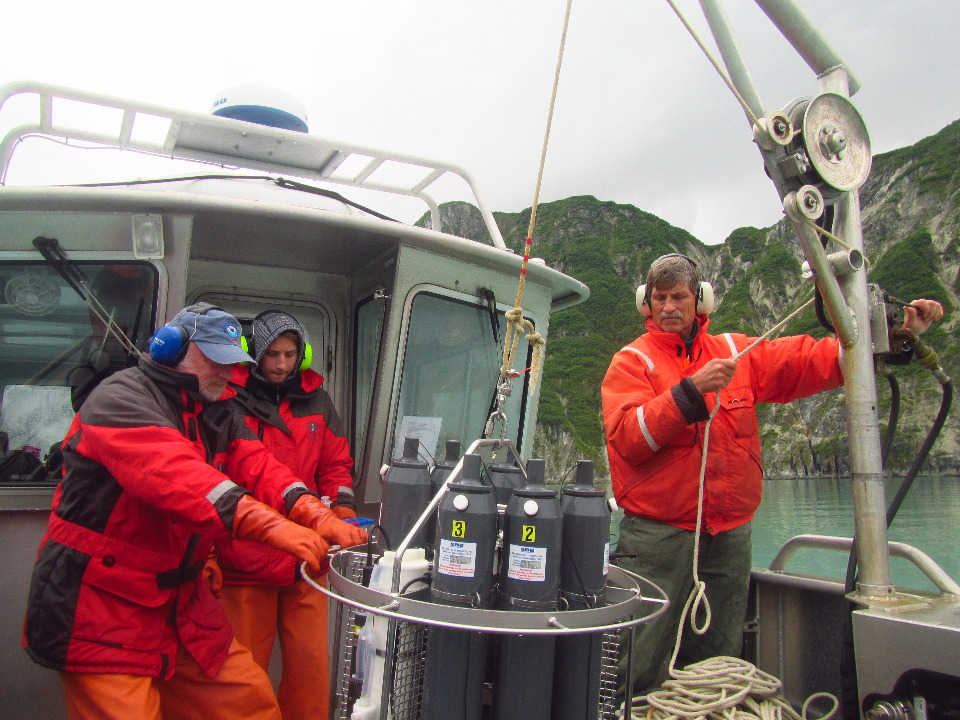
657,394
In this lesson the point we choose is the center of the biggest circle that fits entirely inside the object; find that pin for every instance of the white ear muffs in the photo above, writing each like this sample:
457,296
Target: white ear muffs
642,305
705,300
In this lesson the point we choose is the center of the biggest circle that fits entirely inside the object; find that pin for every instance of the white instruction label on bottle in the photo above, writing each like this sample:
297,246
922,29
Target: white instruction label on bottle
457,558
606,559
527,563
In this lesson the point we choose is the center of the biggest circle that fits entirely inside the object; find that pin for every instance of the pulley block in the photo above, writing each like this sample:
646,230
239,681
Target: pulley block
831,149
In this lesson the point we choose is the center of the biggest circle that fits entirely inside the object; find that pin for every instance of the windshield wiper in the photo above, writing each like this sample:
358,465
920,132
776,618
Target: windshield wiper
50,249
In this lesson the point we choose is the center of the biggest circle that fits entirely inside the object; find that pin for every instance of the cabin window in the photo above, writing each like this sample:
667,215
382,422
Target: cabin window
451,365
54,349
369,330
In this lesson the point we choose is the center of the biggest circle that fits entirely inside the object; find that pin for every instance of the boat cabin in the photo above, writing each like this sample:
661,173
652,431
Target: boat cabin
406,323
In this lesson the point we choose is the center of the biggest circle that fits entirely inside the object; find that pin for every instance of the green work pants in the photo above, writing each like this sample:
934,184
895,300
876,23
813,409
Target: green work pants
663,554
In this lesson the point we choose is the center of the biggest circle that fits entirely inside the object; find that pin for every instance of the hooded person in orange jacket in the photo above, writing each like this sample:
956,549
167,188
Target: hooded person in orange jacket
657,394
284,403
155,471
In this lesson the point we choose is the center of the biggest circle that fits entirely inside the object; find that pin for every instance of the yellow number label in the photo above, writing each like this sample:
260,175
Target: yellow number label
529,533
459,529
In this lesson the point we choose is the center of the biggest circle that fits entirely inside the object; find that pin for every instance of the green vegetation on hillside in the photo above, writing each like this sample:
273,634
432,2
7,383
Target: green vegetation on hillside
933,161
907,269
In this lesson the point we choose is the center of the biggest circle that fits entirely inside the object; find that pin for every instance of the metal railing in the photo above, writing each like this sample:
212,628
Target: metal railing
227,142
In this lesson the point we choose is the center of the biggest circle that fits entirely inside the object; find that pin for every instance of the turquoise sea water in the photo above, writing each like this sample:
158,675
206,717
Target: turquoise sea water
929,520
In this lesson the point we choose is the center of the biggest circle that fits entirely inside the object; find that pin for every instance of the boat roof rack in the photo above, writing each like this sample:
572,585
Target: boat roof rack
236,143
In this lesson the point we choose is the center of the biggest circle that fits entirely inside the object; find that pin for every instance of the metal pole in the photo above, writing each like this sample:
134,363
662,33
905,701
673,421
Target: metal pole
806,39
732,57
863,427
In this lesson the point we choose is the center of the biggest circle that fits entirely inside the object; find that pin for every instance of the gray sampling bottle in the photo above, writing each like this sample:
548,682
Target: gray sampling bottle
438,476
529,580
463,575
583,585
407,492
443,468
505,478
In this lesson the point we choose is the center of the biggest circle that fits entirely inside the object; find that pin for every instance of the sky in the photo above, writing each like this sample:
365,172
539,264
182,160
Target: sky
641,117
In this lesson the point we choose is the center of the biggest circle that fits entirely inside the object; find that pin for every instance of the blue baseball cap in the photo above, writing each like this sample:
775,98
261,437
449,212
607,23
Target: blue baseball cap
216,333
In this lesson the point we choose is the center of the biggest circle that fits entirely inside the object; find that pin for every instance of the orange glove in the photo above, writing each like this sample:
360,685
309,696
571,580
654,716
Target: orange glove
343,512
312,513
261,523
212,574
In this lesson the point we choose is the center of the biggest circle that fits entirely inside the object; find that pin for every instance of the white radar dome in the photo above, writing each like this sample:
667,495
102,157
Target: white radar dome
262,105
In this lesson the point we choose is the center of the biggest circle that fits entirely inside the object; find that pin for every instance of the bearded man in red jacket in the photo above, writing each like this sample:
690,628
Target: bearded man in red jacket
657,395
155,471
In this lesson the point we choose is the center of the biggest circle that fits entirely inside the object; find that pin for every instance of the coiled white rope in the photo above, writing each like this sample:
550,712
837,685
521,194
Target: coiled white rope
725,688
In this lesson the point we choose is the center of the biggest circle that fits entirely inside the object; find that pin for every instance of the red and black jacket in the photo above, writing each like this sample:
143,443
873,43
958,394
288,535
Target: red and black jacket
153,475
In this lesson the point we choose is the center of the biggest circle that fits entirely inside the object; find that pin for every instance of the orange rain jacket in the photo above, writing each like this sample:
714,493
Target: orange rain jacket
654,417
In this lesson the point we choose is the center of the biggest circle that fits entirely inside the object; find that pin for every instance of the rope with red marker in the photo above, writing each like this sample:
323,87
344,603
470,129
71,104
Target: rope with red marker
515,319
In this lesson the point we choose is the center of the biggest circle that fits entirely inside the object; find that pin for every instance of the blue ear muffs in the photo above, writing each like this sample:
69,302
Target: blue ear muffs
247,346
169,344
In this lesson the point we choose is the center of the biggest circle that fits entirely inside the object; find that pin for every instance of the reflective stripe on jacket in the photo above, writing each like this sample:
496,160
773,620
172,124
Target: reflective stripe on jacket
654,421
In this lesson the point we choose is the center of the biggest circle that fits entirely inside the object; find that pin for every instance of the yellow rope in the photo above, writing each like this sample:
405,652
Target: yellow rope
515,319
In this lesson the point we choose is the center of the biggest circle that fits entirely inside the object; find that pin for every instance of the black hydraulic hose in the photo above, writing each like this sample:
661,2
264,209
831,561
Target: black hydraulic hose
893,418
945,402
821,313
825,221
849,689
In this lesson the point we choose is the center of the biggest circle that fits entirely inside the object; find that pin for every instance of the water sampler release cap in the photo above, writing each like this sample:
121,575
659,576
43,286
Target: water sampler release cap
583,481
411,455
469,479
535,487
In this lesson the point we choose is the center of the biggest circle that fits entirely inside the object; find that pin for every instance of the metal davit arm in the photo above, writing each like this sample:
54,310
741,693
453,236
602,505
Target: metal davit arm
806,39
817,153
